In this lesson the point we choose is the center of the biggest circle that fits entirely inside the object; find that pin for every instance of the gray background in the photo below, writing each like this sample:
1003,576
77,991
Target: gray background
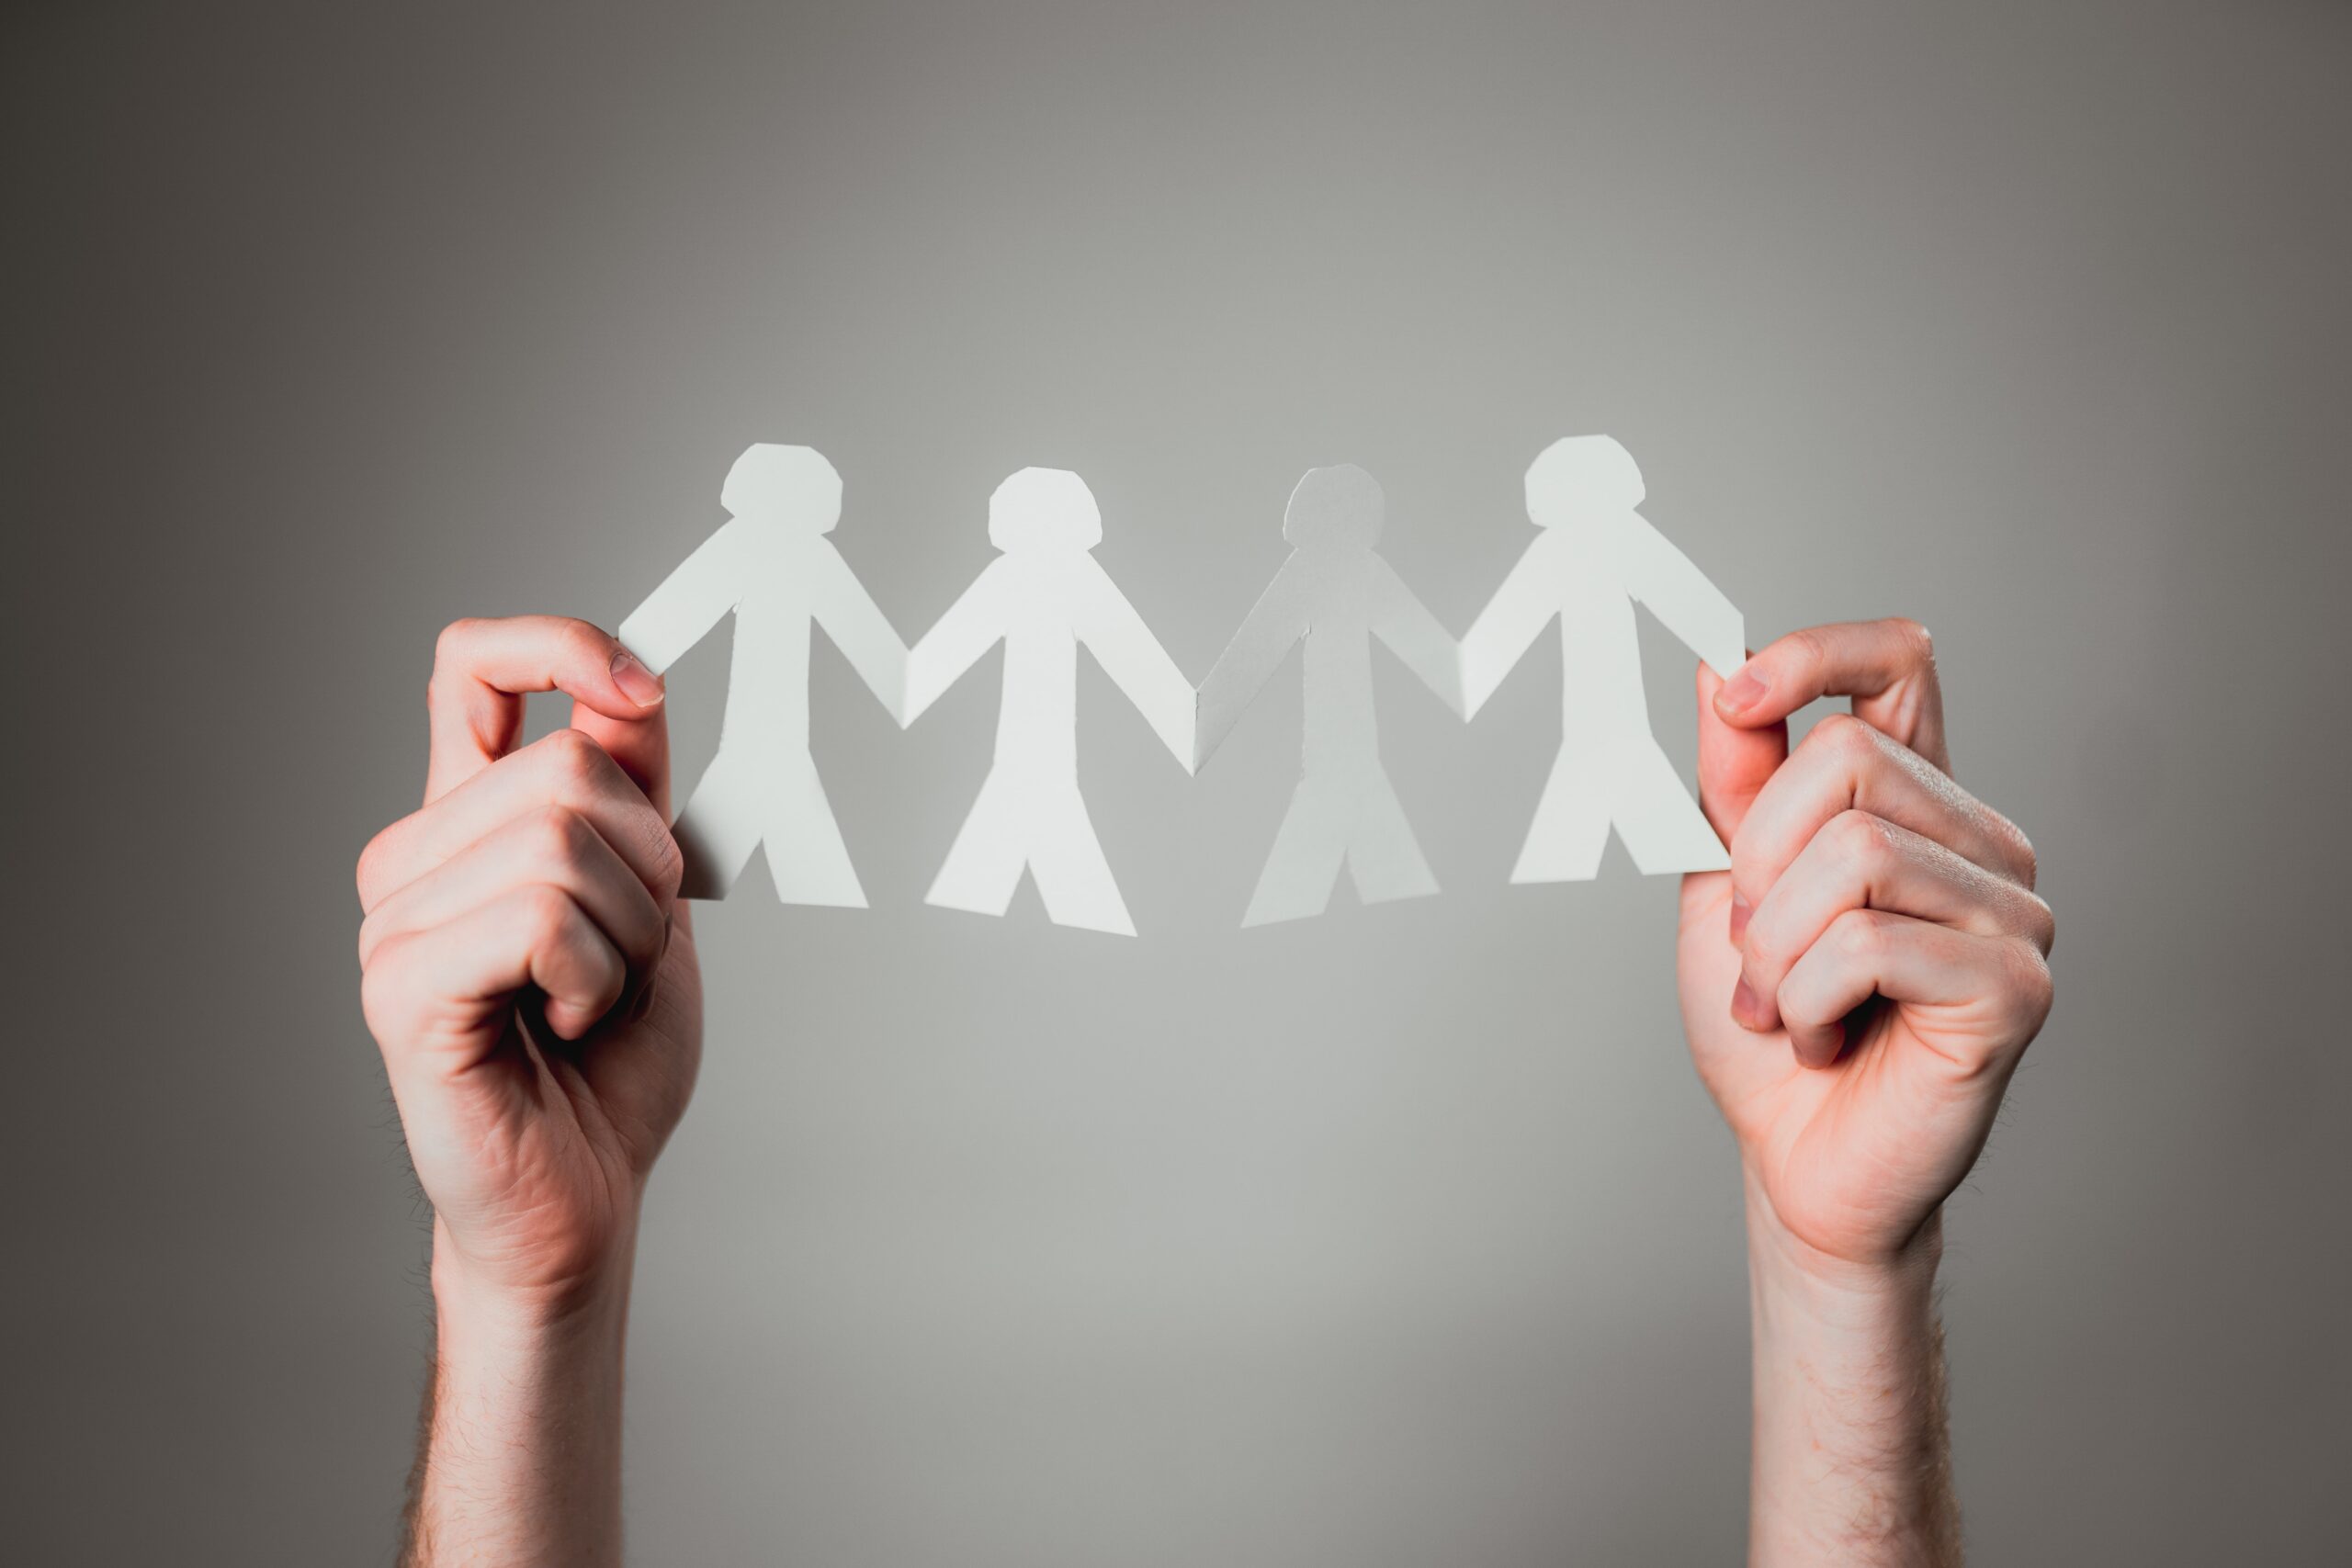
1402,1236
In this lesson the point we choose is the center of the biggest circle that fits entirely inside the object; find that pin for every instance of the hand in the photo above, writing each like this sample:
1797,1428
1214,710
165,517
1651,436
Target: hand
1860,986
526,967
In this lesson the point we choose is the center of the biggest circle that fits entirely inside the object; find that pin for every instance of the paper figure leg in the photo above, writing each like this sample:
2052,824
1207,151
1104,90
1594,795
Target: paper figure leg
1073,877
805,854
983,867
1383,855
720,826
1305,861
1662,827
1571,826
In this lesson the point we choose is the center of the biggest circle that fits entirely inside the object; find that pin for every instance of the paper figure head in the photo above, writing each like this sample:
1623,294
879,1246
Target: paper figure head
1335,508
1043,509
789,485
1581,477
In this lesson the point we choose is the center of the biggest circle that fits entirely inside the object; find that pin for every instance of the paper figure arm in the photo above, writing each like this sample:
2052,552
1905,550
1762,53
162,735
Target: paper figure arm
970,628
1415,636
861,630
1521,608
1660,576
1134,659
692,599
1277,620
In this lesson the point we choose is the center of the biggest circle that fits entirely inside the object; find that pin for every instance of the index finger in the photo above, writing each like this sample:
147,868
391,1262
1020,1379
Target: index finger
481,670
1888,668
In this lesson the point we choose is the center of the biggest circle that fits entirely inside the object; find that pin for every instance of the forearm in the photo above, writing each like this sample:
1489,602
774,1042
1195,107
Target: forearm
520,1459
1852,1459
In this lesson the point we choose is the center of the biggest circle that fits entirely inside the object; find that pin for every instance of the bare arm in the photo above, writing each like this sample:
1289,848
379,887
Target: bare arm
1274,623
1850,1452
691,600
532,983
1415,636
1857,989
520,1457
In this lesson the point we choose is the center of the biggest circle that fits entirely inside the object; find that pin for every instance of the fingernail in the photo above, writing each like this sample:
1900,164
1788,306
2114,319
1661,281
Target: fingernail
638,683
1739,913
1743,1004
643,1006
1741,693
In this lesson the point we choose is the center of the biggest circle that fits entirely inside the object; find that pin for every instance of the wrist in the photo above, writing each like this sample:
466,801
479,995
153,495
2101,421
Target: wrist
1851,1458
521,1460
523,1349
549,1295
1802,1279
481,1324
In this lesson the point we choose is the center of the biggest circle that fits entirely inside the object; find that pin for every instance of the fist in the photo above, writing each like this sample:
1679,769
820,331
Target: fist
526,966
1859,987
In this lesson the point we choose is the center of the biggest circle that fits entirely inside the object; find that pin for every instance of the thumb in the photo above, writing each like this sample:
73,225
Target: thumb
1733,763
638,740
483,670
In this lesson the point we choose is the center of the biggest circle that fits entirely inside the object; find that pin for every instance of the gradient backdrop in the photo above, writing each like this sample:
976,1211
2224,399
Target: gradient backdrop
1404,1236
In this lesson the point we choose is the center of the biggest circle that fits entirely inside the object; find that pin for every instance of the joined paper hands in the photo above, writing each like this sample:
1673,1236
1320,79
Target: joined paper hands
1046,594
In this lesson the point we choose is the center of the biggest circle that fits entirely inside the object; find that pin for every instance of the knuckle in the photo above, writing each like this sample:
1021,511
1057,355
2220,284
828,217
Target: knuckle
455,639
600,970
2030,979
559,837
1860,839
1769,959
586,641
372,876
1857,934
2021,851
1799,1008
1918,643
545,912
1844,737
571,748
381,990
2041,923
579,763
363,876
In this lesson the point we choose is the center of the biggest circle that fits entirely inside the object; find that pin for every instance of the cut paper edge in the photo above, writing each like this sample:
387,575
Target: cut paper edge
772,566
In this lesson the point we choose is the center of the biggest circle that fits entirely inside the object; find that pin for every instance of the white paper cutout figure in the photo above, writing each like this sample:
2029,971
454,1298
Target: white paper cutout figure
1337,593
1596,557
1044,596
771,564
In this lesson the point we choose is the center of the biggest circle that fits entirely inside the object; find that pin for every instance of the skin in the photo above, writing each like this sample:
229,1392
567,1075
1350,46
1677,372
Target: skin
531,980
1857,990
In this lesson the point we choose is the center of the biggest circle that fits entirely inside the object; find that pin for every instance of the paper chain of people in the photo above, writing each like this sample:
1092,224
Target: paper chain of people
1046,594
